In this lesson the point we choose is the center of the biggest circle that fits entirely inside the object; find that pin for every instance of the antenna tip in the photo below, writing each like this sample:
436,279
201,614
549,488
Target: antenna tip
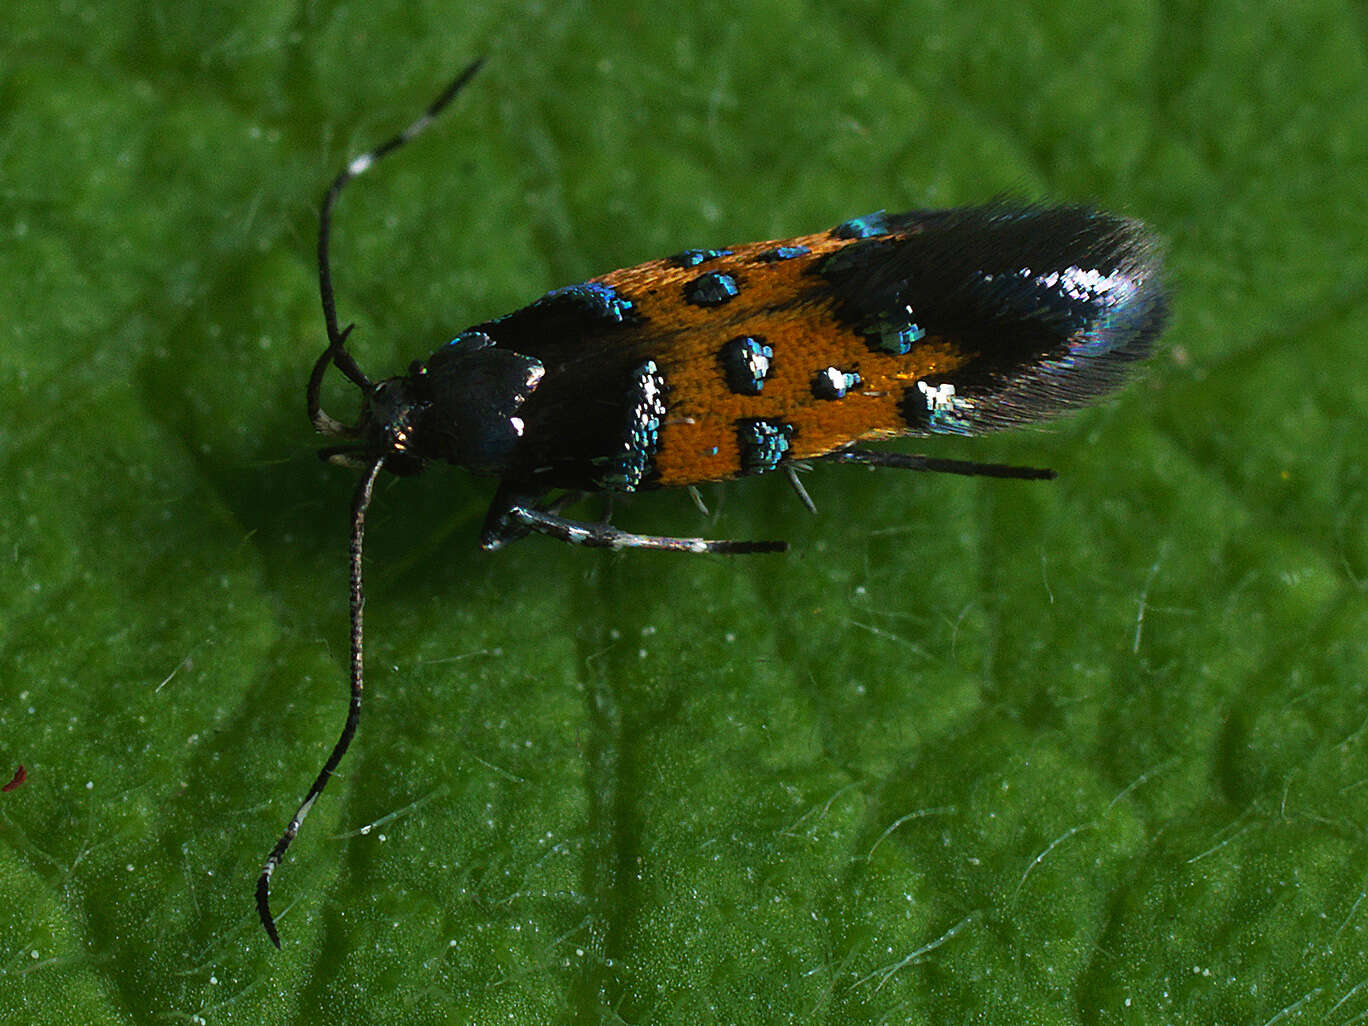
263,902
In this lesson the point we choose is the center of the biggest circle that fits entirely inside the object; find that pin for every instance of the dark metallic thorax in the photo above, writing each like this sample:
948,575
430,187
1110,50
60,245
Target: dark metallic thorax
464,405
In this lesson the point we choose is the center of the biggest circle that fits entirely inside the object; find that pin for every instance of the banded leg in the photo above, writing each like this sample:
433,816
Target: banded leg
510,518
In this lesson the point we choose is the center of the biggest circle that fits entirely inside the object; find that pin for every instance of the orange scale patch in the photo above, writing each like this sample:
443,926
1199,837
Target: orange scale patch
775,303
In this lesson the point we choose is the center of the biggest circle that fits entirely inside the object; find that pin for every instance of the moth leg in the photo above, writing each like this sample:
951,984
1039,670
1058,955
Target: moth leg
798,489
324,424
511,518
499,529
605,536
934,464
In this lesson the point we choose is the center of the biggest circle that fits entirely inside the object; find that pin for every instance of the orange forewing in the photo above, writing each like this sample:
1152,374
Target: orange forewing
776,303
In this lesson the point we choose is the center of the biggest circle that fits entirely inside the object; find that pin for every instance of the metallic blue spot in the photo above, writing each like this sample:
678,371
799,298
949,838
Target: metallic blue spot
711,289
862,227
641,440
893,332
746,364
834,383
694,257
763,443
594,298
772,256
898,339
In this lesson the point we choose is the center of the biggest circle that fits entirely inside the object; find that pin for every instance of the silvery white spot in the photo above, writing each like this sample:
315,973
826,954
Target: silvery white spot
417,126
938,397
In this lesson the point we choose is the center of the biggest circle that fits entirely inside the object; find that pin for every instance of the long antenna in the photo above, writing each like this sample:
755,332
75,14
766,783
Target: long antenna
356,166
360,502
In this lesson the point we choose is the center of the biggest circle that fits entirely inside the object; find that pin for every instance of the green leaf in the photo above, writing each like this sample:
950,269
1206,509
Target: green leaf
974,751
